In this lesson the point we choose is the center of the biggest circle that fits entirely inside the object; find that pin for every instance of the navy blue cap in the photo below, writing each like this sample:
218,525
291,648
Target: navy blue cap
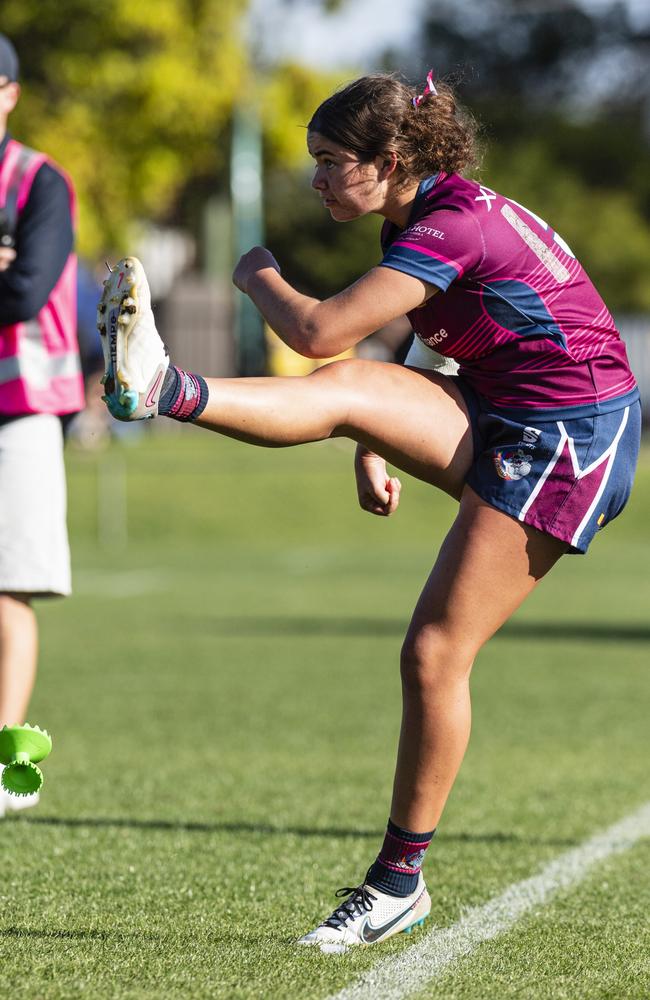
8,59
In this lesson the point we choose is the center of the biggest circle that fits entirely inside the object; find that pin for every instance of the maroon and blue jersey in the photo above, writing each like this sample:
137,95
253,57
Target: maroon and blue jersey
516,309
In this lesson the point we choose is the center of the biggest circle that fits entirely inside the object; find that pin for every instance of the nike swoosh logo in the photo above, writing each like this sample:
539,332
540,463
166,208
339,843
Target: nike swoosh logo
369,933
150,400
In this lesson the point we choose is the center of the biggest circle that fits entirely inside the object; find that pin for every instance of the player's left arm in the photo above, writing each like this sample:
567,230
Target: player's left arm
324,328
378,492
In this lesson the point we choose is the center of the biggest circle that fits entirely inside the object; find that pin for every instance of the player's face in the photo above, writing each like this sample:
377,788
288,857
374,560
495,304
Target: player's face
347,187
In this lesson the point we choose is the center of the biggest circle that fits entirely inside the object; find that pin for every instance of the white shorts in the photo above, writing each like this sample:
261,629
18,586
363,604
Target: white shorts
34,552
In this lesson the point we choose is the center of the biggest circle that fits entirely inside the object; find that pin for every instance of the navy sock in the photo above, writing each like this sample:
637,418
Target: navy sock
398,864
183,396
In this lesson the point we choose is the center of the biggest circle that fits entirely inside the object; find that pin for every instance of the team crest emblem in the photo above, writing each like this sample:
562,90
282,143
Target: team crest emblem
412,860
415,860
513,463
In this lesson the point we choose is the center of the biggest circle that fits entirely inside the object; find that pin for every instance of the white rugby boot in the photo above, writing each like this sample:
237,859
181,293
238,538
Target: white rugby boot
369,916
135,358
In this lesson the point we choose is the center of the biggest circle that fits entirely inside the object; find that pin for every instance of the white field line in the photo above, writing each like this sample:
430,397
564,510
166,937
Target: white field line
400,977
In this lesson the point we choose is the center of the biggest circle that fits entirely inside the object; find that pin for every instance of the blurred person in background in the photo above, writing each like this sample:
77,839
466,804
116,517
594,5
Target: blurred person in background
40,380
536,437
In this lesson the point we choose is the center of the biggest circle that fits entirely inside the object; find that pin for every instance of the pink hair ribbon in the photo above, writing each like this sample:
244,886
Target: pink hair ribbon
429,89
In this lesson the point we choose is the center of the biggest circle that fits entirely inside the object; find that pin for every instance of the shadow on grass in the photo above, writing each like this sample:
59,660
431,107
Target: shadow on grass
174,938
31,932
278,626
99,822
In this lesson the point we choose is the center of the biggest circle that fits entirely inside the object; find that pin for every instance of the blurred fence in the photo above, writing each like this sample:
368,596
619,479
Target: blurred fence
196,323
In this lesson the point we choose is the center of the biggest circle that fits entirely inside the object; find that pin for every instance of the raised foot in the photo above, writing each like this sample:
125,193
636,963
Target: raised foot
135,358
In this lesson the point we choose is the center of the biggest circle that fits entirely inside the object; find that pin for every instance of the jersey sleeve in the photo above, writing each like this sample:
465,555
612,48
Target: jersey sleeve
439,248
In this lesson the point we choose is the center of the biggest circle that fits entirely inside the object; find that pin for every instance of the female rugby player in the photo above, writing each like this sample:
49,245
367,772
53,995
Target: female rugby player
536,437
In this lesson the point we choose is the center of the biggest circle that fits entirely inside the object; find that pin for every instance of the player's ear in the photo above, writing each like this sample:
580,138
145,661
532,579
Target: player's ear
388,165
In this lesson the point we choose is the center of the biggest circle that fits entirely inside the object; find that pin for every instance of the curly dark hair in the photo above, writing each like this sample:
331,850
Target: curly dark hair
375,115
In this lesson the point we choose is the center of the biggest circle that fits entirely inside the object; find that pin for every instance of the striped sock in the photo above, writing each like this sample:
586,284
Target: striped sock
184,395
398,864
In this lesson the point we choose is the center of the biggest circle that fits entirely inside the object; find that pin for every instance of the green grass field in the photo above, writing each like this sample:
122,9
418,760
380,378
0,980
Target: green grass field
223,694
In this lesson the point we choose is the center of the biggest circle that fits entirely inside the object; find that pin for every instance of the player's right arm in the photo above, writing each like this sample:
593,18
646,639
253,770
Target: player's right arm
325,328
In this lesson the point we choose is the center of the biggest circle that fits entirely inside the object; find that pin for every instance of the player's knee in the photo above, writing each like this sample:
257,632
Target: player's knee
344,372
422,660
342,383
431,659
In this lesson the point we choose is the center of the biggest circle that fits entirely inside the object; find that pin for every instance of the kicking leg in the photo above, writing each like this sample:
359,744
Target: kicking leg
416,420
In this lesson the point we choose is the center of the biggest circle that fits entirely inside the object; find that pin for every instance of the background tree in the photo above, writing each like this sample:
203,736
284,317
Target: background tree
131,98
563,97
136,101
563,94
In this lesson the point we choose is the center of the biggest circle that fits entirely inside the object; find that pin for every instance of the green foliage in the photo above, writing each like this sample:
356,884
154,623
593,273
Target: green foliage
133,99
594,218
289,99
567,135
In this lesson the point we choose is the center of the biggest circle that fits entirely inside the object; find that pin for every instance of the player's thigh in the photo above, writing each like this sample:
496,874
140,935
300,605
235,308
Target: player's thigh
417,420
487,565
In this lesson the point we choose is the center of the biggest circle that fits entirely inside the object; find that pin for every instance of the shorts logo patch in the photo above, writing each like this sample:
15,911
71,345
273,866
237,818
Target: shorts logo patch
531,436
512,463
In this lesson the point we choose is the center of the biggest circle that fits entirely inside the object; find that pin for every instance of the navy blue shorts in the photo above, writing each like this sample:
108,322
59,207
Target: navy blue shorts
567,476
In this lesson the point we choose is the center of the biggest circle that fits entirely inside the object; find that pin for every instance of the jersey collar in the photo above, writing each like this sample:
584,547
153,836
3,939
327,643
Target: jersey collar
423,196
420,206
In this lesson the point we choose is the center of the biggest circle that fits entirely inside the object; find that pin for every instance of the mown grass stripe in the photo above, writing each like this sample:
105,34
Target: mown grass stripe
397,978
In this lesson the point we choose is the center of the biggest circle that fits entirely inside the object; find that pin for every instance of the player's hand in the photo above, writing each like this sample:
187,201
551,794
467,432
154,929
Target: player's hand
378,492
257,259
7,257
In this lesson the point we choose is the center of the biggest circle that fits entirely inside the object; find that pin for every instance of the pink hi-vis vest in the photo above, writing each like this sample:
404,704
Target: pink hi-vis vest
40,371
